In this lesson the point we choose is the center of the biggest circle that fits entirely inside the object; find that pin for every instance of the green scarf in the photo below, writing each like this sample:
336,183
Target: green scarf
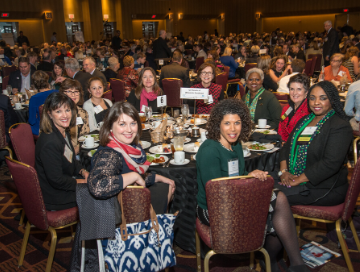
253,105
298,153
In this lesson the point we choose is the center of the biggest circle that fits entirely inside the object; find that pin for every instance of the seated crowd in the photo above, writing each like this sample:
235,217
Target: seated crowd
315,127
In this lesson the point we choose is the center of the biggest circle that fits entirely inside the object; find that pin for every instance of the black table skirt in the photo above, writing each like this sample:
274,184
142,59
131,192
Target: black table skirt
186,188
22,115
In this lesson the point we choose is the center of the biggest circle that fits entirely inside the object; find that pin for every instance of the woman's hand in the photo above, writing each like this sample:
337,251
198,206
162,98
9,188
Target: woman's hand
60,79
131,178
163,179
262,175
287,179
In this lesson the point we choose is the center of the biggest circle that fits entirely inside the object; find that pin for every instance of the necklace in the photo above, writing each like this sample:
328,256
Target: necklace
228,149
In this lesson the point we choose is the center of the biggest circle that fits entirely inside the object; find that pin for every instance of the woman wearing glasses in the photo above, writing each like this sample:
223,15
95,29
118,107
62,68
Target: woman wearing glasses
262,104
206,78
72,88
335,70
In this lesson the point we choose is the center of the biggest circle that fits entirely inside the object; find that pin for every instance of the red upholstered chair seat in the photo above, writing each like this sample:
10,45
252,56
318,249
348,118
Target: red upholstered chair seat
61,218
204,232
321,212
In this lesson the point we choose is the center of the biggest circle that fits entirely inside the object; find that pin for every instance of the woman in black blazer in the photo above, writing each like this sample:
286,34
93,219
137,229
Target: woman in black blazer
55,160
313,160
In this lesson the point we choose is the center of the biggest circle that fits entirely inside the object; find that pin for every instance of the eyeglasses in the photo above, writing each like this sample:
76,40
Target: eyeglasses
335,60
206,73
75,93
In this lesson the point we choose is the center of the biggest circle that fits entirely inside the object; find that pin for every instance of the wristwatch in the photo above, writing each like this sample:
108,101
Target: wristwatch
282,172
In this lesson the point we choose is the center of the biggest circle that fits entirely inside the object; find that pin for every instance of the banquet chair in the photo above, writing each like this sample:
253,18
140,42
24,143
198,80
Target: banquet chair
335,214
248,66
227,69
308,67
171,88
118,88
222,80
318,61
27,183
6,71
198,63
282,96
238,210
108,95
283,103
3,143
5,82
146,64
355,149
313,64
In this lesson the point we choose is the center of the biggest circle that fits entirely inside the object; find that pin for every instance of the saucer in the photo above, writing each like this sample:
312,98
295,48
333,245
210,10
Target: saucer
174,163
267,126
94,146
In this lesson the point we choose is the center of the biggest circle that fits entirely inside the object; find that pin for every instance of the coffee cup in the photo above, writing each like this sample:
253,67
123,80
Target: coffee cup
179,157
262,123
203,136
156,124
18,106
89,142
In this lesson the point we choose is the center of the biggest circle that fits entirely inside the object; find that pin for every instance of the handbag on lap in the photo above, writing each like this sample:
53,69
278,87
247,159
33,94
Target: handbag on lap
143,246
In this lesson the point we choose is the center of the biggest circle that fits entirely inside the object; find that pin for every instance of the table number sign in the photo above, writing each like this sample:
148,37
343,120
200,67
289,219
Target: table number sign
161,62
161,101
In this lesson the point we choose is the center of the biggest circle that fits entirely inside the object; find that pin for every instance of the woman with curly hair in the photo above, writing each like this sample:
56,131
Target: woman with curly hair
146,92
352,62
278,68
228,125
129,75
313,160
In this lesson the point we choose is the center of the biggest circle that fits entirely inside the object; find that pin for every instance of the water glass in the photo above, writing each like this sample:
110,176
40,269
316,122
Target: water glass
185,110
9,89
179,143
176,113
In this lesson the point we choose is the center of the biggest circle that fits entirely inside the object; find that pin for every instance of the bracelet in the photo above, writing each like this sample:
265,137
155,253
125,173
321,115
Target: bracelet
82,171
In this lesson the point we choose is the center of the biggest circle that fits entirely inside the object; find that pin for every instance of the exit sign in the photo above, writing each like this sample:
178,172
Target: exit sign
5,14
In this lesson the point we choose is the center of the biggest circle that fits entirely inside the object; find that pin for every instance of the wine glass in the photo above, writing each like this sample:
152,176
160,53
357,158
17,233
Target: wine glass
148,113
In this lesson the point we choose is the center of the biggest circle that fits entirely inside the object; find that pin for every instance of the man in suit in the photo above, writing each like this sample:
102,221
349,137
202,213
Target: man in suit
21,39
285,49
331,43
89,66
175,70
160,47
33,59
297,53
46,64
72,69
20,79
116,41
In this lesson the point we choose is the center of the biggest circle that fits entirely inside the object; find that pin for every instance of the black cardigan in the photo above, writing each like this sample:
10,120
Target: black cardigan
55,172
326,154
132,99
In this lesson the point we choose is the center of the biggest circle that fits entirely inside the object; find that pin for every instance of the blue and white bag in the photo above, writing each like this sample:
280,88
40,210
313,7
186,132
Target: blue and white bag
144,246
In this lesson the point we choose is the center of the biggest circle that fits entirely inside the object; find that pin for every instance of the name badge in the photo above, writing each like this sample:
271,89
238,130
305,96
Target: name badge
210,99
68,154
233,167
306,135
98,109
286,114
79,121
102,59
341,73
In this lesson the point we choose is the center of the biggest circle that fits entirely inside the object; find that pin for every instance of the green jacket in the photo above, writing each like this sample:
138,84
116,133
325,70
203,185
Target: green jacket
269,108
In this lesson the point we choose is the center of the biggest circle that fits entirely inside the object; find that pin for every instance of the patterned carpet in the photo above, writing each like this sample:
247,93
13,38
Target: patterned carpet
38,247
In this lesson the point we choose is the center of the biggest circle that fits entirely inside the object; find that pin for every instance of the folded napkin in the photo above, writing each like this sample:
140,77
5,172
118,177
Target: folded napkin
265,138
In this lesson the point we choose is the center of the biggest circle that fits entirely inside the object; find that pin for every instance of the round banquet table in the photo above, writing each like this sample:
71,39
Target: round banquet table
186,187
22,115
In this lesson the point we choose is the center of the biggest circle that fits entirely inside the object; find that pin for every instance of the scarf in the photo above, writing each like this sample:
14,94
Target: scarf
134,156
253,105
145,96
298,153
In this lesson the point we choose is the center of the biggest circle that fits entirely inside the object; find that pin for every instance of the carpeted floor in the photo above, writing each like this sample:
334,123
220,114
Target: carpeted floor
38,247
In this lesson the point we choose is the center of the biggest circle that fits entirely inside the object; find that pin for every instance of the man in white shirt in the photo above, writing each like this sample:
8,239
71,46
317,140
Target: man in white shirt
297,66
20,79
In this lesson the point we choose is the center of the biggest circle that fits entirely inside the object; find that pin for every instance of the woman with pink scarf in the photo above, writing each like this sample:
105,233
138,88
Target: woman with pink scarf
146,92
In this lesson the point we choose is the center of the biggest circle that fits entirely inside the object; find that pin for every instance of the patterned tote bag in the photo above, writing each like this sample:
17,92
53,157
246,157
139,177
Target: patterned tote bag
144,246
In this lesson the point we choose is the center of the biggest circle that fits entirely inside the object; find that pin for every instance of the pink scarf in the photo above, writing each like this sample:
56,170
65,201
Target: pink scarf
145,96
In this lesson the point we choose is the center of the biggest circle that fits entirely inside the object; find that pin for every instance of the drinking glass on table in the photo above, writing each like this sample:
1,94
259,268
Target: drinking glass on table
185,110
9,89
179,143
148,113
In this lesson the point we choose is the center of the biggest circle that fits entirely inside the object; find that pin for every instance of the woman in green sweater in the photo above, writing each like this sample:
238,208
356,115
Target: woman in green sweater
230,123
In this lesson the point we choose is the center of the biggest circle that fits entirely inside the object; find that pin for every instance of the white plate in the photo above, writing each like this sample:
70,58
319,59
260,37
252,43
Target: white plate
93,147
90,155
185,162
187,140
267,126
199,122
147,126
268,146
189,148
247,155
20,108
156,150
82,138
145,144
261,130
162,156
